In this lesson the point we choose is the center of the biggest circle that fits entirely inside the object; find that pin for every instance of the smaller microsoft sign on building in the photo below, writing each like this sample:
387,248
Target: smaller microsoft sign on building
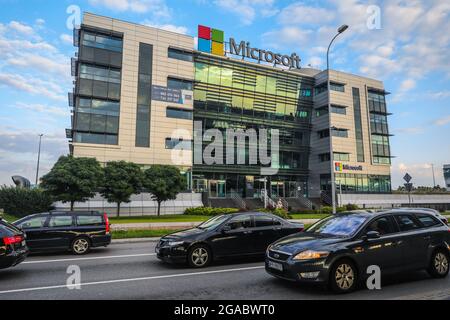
340,167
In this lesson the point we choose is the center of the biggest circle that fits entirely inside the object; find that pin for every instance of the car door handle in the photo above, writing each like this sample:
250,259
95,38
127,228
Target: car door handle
426,237
248,232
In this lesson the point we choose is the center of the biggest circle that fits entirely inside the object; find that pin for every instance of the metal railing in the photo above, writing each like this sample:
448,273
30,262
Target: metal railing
304,201
238,199
325,197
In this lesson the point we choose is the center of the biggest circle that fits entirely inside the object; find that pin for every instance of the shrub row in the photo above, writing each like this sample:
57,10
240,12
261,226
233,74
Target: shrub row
207,211
21,202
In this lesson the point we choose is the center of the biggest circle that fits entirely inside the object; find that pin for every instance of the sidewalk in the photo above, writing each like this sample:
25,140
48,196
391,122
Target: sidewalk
175,225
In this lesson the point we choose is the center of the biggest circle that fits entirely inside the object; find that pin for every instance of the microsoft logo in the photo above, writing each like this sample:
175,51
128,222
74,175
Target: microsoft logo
211,40
338,166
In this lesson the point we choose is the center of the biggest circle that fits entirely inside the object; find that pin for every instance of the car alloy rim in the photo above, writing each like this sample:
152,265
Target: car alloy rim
441,263
80,245
344,276
199,256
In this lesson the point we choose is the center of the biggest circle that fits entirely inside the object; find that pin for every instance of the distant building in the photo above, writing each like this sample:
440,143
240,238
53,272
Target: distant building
447,176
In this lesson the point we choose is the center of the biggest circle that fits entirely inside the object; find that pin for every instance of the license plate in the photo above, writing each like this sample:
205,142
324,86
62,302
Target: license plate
276,266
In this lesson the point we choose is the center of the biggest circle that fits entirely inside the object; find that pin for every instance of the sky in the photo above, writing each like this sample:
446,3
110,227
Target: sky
405,44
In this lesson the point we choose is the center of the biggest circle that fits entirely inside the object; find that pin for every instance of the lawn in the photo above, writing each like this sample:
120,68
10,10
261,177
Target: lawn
9,217
128,234
163,218
309,216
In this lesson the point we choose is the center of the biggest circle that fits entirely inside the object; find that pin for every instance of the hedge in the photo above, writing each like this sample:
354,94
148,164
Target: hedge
21,202
207,211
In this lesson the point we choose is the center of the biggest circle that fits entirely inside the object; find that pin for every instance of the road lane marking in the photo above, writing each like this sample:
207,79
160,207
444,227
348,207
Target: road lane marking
133,279
90,258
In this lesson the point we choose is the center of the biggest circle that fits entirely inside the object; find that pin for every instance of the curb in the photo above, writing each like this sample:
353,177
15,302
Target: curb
134,240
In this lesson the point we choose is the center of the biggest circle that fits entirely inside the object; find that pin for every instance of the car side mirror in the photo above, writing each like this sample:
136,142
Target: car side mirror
371,235
226,229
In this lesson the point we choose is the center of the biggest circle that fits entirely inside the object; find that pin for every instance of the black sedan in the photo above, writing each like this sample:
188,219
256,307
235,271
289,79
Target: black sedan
13,249
338,250
240,234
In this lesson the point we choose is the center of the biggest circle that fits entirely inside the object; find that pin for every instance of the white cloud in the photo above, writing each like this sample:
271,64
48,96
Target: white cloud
167,27
285,36
66,38
443,121
33,86
44,64
155,7
40,108
21,28
298,13
247,10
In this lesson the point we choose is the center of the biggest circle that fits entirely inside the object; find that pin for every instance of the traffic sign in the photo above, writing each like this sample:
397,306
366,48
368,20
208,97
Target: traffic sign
407,177
408,187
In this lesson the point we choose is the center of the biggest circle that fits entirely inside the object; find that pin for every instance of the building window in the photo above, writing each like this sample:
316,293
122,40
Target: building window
180,54
98,73
306,93
181,84
321,111
377,102
338,109
378,124
325,133
180,144
363,183
340,133
339,87
340,156
321,88
324,157
95,138
358,125
102,41
178,113
143,112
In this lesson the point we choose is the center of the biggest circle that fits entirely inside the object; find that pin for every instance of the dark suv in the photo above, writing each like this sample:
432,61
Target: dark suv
13,249
78,231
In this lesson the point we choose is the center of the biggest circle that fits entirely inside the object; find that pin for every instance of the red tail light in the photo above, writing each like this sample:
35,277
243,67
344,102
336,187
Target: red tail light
105,216
13,240
301,229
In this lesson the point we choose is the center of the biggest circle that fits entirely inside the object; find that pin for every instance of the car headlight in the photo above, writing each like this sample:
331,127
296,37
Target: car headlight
174,243
311,254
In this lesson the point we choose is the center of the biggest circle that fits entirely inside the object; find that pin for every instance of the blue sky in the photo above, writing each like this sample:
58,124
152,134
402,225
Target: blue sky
409,52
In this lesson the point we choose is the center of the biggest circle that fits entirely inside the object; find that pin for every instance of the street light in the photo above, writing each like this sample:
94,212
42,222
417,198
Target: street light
333,182
38,159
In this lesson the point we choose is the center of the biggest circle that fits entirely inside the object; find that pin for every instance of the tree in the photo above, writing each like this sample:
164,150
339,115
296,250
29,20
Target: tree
164,183
73,179
121,180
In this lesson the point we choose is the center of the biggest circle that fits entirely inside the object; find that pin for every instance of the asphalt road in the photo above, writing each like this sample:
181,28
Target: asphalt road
132,271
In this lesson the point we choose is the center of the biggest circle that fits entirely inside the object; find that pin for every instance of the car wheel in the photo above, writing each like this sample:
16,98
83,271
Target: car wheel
439,264
343,276
199,256
81,246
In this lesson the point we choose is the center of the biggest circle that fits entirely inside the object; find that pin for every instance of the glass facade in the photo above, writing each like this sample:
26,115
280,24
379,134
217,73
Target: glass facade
381,153
98,85
362,183
144,98
358,125
229,94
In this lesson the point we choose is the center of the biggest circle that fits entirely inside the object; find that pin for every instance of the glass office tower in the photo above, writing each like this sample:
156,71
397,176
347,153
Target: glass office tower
240,95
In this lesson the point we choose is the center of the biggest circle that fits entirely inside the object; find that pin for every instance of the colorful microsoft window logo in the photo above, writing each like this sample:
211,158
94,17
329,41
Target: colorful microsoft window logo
338,166
211,40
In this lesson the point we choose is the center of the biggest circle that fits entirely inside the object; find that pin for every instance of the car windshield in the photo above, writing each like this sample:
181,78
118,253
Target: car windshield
213,222
341,226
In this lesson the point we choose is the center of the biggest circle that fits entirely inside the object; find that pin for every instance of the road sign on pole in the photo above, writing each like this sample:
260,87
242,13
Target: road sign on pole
407,178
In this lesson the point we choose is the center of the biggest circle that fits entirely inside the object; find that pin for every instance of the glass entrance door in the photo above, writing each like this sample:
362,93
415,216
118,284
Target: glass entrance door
277,189
217,188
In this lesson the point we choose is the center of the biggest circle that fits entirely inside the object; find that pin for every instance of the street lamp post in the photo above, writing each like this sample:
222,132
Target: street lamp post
333,182
38,159
434,178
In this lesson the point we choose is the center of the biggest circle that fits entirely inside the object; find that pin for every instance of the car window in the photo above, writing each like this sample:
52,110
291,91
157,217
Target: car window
60,221
406,222
382,225
263,221
89,220
33,223
427,220
213,222
342,226
240,222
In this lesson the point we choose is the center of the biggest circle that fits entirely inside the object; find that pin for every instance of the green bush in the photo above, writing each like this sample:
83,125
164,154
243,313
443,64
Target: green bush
351,207
278,212
207,211
21,202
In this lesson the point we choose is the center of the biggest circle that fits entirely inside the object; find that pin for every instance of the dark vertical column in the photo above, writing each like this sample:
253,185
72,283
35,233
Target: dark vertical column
358,125
144,98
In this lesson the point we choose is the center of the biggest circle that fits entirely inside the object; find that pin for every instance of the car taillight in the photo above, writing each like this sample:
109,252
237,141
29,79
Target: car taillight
301,229
13,240
105,216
